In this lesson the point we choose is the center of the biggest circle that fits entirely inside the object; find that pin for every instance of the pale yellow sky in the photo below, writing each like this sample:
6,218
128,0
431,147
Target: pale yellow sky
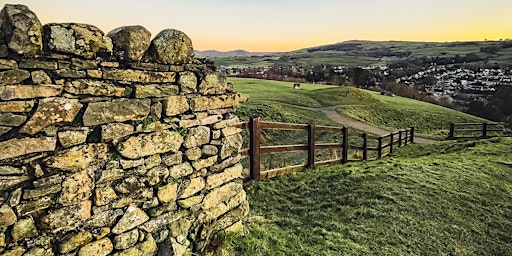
283,25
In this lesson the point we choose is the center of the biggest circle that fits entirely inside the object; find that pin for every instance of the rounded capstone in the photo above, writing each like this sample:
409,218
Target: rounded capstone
171,47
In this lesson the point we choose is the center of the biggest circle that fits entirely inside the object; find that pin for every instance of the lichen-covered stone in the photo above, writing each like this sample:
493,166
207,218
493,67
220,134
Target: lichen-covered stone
171,46
96,88
115,131
215,102
231,145
24,228
167,193
38,251
105,218
229,174
16,251
8,182
76,188
13,76
11,92
66,218
7,216
52,112
210,150
101,247
148,247
139,76
4,130
175,105
197,136
194,185
9,170
152,161
8,64
188,82
130,42
22,29
157,174
116,111
16,106
126,239
18,147
83,157
191,201
149,144
181,170
104,196
213,83
204,163
75,241
72,138
40,77
132,218
156,90
193,154
83,40
42,191
172,159
9,119
221,194
30,207
163,220
37,64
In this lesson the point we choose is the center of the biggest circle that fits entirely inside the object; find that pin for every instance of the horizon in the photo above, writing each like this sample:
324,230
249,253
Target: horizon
287,25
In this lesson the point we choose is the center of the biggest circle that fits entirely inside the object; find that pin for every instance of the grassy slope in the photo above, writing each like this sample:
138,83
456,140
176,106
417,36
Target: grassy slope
443,199
277,101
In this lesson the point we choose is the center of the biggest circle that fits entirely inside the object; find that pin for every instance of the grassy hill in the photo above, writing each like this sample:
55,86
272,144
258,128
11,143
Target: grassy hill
449,198
365,53
278,101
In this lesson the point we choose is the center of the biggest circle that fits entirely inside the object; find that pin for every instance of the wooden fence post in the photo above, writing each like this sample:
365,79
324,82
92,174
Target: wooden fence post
344,147
365,146
412,136
451,136
391,143
406,135
379,152
484,130
311,145
254,147
400,138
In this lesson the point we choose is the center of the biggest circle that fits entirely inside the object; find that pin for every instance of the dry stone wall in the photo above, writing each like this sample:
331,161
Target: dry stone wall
112,144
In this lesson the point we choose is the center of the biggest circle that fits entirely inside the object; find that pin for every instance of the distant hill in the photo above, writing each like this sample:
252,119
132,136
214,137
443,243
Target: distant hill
235,53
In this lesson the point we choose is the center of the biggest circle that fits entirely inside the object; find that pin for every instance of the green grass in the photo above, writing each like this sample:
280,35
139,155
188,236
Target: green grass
450,198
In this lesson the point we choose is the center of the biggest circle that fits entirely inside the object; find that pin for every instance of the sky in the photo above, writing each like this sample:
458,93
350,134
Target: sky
285,25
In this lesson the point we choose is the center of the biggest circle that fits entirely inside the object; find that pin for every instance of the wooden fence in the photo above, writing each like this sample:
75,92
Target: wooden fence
384,145
476,130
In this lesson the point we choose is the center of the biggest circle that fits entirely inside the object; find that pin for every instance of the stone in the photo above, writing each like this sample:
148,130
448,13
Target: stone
193,154
8,64
180,227
210,150
38,251
181,170
4,130
152,161
156,90
175,105
115,131
16,106
16,251
78,63
47,181
116,111
221,194
156,175
216,134
40,192
101,247
94,73
156,111
83,157
104,219
72,138
104,196
31,207
52,112
172,159
96,88
40,77
130,42
226,123
226,163
126,240
9,182
229,174
236,228
171,46
188,82
210,119
76,188
9,170
110,175
24,228
167,193
83,40
189,123
148,144
70,73
191,201
22,30
12,92
215,102
37,64
13,76
109,64
228,131
197,136
129,185
204,163
139,76
163,220
148,247
15,197
19,147
7,216
66,218
100,233
75,241
128,164
213,83
132,218
231,145
195,185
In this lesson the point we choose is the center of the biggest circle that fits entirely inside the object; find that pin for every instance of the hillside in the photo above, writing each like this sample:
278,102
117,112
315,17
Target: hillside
366,53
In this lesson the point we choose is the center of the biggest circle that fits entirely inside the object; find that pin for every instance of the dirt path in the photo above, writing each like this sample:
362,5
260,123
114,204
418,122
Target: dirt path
332,114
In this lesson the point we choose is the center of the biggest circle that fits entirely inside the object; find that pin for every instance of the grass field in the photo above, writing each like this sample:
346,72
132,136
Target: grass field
448,198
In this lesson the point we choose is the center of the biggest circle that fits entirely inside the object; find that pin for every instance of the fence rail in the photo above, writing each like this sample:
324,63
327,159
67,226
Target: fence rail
476,130
385,145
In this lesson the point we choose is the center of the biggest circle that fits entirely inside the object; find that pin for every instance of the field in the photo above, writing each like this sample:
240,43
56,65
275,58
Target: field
448,198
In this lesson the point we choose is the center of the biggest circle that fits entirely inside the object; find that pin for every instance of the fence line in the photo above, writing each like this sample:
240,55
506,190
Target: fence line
386,144
476,130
